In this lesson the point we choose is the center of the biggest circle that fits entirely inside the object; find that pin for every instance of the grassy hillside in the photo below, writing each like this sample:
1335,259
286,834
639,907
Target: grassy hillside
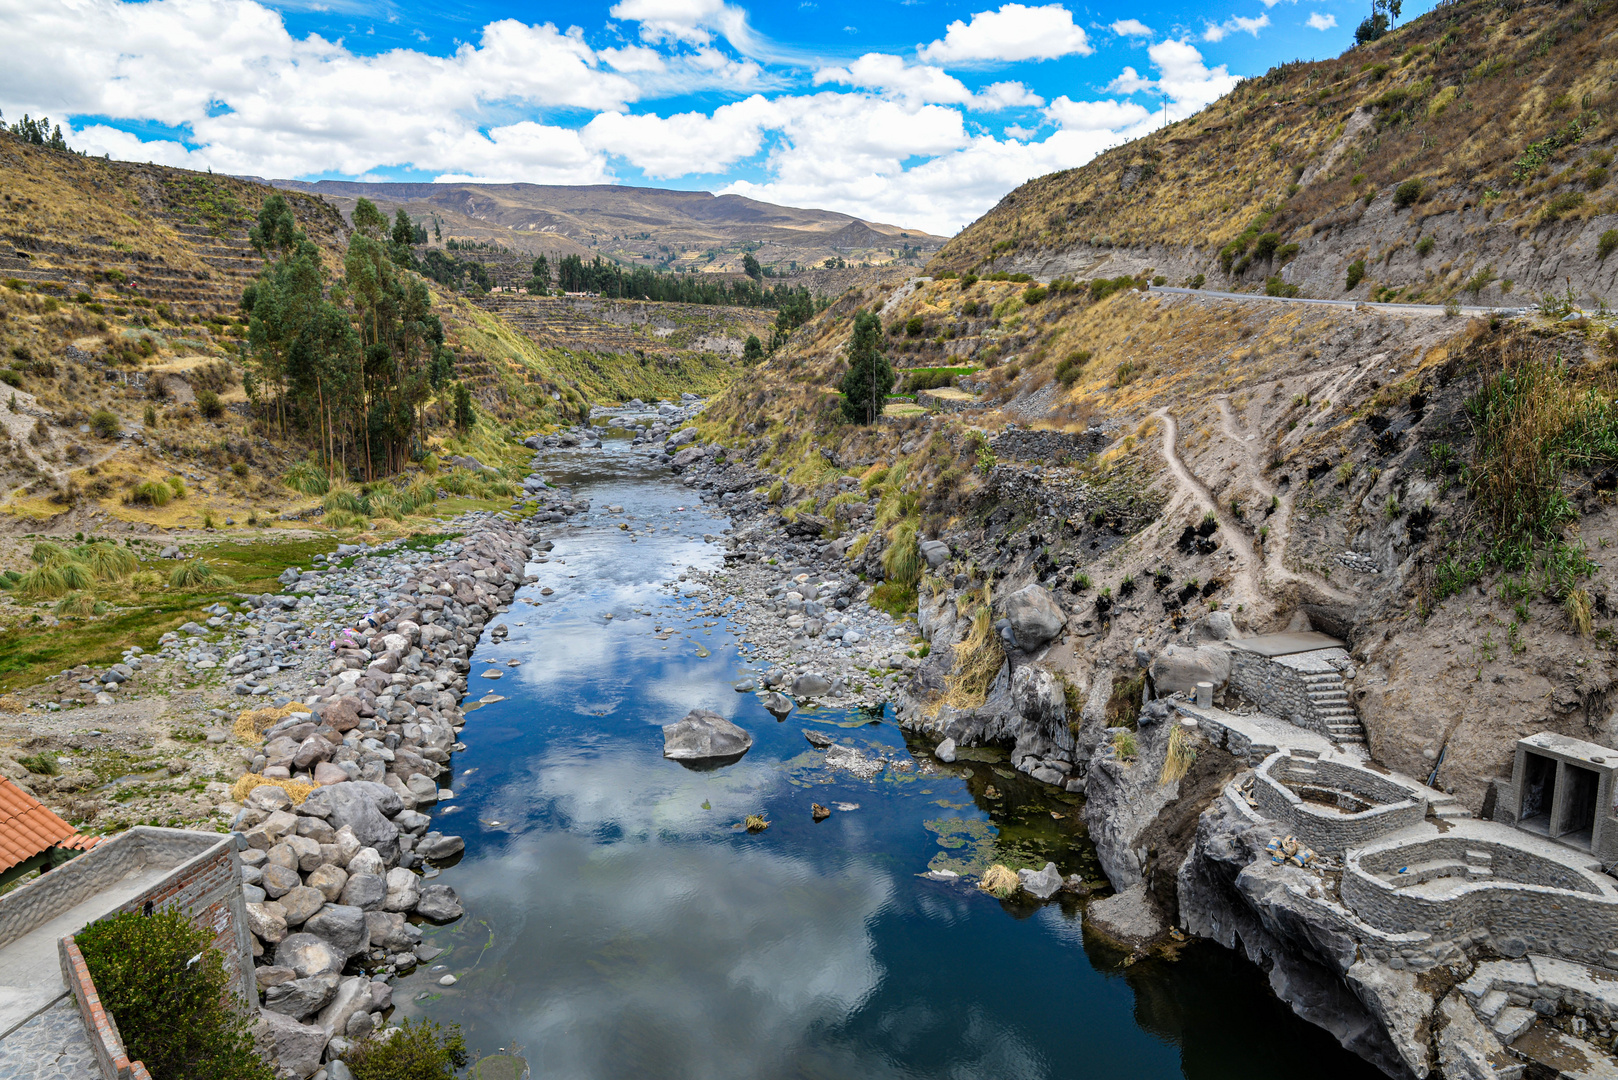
685,230
1459,154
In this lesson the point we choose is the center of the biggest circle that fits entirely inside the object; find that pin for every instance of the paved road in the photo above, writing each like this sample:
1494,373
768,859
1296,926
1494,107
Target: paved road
1408,309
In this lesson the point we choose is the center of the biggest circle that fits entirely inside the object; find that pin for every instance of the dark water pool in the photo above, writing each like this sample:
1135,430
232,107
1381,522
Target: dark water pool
620,924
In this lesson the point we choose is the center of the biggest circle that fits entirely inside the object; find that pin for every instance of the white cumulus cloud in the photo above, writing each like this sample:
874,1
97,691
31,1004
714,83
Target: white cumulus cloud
1321,22
919,83
1006,95
1130,28
1236,24
1014,32
1095,115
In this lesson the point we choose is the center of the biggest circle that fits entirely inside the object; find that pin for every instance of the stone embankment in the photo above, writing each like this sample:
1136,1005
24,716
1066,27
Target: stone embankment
340,856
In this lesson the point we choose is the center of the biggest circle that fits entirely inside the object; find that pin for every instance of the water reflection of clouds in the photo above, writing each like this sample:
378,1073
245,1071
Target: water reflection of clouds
648,959
633,792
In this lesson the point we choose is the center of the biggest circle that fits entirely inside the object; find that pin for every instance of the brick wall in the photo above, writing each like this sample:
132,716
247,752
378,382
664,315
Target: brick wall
105,1040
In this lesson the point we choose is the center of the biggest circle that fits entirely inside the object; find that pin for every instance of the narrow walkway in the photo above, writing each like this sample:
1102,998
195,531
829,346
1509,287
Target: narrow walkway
1394,309
51,1046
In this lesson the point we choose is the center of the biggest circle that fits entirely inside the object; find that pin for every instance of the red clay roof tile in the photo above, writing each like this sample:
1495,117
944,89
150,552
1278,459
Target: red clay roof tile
27,826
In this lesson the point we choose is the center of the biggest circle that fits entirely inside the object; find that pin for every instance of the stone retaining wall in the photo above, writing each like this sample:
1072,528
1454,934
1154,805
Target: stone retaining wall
1277,686
1020,444
105,1040
1329,831
1528,904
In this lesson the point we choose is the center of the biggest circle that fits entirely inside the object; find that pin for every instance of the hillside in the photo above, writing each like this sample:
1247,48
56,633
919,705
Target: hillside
1466,152
120,288
677,230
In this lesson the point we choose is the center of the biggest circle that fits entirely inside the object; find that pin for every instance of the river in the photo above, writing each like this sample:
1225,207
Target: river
621,924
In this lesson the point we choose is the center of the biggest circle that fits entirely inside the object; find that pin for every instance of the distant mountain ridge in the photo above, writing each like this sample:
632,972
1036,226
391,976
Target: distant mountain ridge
638,226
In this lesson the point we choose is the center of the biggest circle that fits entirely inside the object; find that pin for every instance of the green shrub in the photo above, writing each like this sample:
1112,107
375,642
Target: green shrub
209,405
1069,370
1101,288
1424,246
1197,281
914,326
168,989
1607,243
104,423
1406,194
1034,294
152,493
420,1050
1356,274
1266,245
1274,286
177,486
1564,203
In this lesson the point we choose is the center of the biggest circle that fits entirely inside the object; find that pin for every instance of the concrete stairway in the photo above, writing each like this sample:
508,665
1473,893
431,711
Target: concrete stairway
1328,699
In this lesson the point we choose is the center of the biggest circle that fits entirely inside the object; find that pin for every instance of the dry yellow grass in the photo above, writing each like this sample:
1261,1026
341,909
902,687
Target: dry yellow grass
297,790
999,881
250,725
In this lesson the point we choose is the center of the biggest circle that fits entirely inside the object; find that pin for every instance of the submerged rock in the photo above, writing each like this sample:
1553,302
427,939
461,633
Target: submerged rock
704,736
816,739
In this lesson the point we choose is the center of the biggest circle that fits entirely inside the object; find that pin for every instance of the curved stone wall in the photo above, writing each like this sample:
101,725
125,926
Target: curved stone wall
1296,791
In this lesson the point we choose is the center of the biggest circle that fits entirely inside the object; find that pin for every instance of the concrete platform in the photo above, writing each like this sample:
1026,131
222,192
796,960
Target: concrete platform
1254,736
1273,645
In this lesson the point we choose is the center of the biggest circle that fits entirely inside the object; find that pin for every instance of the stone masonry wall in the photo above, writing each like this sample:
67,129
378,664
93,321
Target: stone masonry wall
1511,917
1276,684
1020,444
1329,831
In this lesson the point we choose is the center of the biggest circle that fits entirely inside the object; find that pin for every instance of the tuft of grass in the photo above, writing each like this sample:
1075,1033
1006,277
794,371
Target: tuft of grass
901,560
1577,606
177,486
107,561
196,574
979,656
343,496
50,582
1123,706
43,763
756,823
1181,756
342,519
152,493
81,604
307,478
1125,746
999,881
50,553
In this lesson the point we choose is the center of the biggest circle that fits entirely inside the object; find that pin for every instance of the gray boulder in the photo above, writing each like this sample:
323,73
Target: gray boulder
404,889
704,736
391,931
439,903
364,807
945,751
1039,698
300,903
309,955
777,705
936,552
1180,668
811,684
301,997
1041,884
438,847
353,995
1034,617
342,926
297,1046
1129,917
364,891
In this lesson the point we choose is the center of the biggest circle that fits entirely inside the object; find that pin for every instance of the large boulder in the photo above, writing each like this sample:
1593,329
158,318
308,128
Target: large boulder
309,955
301,997
936,552
404,889
1181,667
297,1046
811,684
365,891
704,736
439,903
364,807
353,995
342,926
391,931
1034,617
1041,884
1039,698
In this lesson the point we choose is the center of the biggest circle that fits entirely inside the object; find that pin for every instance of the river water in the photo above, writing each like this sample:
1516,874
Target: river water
620,923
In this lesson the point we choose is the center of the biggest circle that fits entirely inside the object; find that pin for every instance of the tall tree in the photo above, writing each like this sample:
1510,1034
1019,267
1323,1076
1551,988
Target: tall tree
368,220
870,377
753,351
751,268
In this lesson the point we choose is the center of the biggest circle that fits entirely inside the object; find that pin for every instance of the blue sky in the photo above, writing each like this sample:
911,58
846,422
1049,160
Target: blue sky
915,112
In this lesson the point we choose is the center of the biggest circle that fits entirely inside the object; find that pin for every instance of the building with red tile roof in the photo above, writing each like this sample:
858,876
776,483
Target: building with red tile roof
30,834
